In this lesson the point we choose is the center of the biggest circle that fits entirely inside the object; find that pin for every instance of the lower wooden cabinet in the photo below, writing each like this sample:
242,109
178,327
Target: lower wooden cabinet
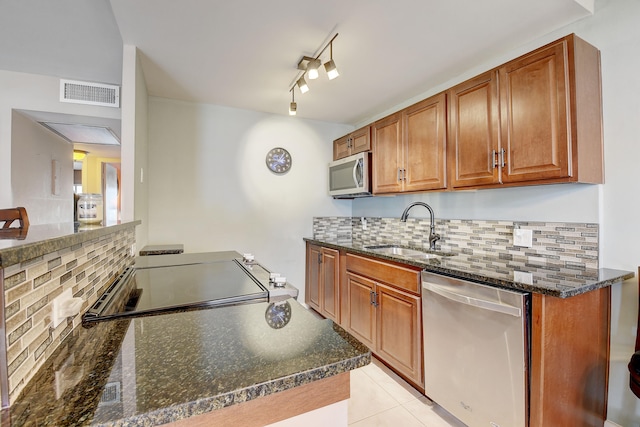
322,287
385,317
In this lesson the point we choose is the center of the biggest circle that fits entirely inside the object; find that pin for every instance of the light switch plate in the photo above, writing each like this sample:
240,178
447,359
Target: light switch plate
522,237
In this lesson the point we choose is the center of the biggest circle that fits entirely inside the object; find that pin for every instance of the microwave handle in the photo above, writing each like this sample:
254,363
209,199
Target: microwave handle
357,166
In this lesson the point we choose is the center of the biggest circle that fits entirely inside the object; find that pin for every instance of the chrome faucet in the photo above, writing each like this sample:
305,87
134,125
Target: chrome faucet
433,237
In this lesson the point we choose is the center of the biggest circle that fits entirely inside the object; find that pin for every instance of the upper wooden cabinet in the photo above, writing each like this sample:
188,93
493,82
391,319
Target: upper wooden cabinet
534,120
409,148
353,143
474,128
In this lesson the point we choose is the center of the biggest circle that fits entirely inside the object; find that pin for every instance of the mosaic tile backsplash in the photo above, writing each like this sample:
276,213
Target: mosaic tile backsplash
572,245
31,286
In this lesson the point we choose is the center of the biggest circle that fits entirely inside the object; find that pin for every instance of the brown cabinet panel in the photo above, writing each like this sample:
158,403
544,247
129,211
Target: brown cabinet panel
331,284
312,287
399,331
534,98
425,145
385,317
361,313
400,276
356,142
341,147
387,155
361,140
570,359
474,132
322,286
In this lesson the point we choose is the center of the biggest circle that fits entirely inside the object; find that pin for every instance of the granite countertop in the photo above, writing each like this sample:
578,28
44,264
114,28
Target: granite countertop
158,369
549,279
47,238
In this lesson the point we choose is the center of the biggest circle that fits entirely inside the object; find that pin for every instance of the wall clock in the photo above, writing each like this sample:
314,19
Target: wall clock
278,160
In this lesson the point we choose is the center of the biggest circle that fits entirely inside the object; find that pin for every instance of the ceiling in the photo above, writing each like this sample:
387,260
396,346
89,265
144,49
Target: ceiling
243,53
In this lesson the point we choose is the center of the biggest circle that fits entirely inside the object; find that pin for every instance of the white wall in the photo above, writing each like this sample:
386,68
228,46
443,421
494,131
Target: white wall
34,148
134,144
615,30
210,189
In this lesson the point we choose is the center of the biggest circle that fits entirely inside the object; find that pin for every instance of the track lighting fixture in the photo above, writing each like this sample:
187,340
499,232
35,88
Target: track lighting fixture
302,84
293,107
310,66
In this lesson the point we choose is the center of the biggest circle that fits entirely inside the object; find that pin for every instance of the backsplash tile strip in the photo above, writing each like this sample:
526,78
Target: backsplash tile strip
572,245
33,284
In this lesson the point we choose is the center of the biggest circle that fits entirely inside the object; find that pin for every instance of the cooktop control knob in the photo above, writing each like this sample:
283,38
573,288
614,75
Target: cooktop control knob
276,280
248,258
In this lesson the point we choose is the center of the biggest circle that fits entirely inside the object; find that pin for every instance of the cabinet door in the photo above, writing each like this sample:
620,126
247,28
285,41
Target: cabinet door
399,331
534,99
330,283
361,320
312,288
425,141
474,132
387,155
341,147
361,140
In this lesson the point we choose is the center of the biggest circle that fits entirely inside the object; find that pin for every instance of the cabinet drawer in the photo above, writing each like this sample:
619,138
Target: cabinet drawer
401,277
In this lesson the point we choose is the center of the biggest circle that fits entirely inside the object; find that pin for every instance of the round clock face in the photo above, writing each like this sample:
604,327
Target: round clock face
278,314
278,160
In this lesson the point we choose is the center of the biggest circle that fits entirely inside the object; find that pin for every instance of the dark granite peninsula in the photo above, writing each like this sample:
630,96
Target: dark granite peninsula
160,369
251,364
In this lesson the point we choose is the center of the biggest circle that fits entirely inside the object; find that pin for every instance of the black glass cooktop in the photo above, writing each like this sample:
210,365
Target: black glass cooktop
146,291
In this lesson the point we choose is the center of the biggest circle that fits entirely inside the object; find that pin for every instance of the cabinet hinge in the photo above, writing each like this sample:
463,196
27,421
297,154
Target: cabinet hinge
373,298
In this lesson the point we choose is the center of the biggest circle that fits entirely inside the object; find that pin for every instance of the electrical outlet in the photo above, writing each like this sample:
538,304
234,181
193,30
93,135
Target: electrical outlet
132,250
522,237
363,221
523,277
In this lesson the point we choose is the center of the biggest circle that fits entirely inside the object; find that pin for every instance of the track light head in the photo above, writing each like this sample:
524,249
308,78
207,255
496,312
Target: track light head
330,68
312,69
302,84
293,107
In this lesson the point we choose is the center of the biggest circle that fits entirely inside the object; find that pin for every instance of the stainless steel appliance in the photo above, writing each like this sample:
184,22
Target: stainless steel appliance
476,351
163,289
350,177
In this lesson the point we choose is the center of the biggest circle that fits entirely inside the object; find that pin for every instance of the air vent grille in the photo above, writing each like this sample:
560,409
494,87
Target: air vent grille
89,93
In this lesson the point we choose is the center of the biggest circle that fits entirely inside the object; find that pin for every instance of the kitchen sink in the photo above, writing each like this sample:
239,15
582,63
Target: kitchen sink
405,252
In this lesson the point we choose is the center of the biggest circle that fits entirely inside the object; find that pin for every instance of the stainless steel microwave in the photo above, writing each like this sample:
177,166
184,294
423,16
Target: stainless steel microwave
350,177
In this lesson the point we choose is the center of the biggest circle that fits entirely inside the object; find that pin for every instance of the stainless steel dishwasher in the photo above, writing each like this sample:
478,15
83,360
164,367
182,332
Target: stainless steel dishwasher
476,351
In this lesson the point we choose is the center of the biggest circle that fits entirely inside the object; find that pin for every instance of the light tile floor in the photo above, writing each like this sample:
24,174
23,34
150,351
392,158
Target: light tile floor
380,398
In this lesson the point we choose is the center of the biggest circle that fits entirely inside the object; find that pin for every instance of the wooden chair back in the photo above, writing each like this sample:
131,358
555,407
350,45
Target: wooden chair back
14,223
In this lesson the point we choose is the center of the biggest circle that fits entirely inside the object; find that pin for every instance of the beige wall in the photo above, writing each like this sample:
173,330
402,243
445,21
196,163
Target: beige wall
34,148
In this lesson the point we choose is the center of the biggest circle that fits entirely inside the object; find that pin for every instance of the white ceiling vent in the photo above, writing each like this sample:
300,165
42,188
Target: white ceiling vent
89,93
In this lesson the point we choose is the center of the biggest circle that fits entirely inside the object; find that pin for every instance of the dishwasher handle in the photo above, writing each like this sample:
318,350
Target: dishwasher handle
476,302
